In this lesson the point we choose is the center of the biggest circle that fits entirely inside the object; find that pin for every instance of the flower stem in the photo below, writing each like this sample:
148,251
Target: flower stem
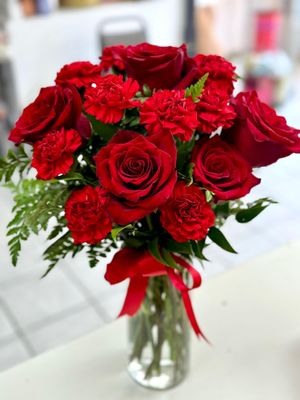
149,222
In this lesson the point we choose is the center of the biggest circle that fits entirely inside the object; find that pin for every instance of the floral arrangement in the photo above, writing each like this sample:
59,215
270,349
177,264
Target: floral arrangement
149,149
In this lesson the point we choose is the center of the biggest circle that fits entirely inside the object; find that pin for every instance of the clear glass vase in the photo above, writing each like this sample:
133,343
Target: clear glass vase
159,336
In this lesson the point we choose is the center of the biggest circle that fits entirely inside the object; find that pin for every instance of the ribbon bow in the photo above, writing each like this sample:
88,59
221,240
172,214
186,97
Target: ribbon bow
139,266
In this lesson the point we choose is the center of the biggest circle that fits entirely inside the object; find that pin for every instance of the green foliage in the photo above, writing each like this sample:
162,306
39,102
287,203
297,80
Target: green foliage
197,88
209,195
253,210
147,91
36,202
106,131
15,161
115,231
197,248
184,150
176,247
100,250
59,249
218,237
154,250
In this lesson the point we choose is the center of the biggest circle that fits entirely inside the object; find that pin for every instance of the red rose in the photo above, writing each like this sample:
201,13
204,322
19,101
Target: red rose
110,96
259,134
221,72
113,56
160,67
53,155
79,74
86,215
214,111
169,111
187,215
55,107
221,169
138,171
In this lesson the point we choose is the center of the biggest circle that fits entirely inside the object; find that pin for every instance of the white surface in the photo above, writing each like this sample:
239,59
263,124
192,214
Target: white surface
251,315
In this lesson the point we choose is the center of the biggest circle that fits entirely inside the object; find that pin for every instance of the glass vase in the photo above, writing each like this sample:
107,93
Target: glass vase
159,337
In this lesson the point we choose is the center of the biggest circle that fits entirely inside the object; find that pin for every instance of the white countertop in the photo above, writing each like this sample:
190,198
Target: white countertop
250,314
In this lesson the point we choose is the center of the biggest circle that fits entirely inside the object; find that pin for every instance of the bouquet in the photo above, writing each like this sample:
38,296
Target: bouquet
151,151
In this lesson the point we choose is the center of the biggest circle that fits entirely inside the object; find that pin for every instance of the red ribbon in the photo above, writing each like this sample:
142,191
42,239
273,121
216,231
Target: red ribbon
139,266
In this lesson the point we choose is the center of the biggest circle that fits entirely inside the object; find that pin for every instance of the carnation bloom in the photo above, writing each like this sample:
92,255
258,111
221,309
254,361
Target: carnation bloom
221,73
86,215
187,215
53,155
170,111
79,74
107,99
113,56
221,169
214,111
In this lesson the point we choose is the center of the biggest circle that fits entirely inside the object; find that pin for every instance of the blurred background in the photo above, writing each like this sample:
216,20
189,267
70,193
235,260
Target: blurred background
37,37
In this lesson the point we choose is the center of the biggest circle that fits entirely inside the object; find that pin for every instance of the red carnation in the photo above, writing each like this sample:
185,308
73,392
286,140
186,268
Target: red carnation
113,56
79,74
170,111
221,169
53,155
110,96
55,107
86,215
221,72
214,111
139,172
259,134
187,215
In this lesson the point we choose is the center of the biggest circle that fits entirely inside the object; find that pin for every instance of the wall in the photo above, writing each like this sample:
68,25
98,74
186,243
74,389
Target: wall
41,45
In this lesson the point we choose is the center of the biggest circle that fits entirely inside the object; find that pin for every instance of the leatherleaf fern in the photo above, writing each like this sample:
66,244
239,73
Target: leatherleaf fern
36,203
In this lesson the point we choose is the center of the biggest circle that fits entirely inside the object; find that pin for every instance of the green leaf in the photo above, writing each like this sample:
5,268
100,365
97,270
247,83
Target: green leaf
184,150
99,250
16,161
106,131
59,249
217,237
209,195
155,252
197,88
244,215
198,247
115,232
147,91
169,260
176,247
36,202
72,176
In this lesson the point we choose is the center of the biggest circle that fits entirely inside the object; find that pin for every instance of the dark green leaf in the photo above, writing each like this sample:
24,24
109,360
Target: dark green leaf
176,247
106,131
198,247
169,260
244,216
155,252
217,237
